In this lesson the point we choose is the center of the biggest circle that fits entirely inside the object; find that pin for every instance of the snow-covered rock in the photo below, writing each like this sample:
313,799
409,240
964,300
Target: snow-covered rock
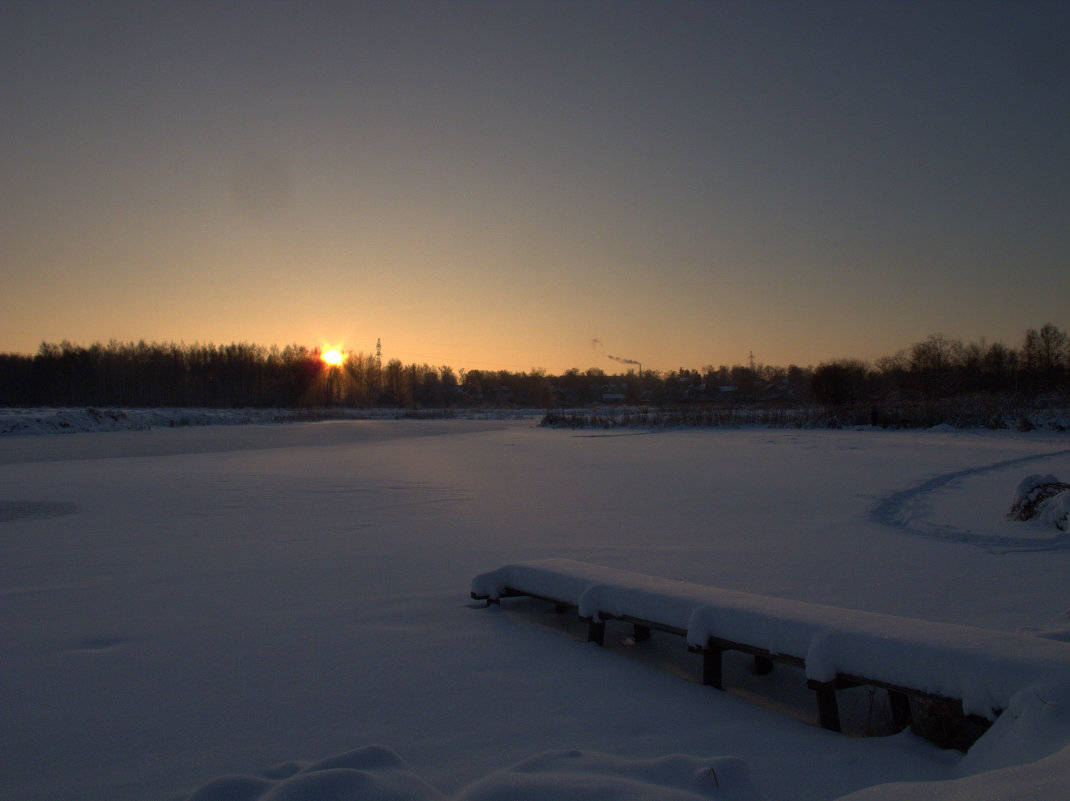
374,773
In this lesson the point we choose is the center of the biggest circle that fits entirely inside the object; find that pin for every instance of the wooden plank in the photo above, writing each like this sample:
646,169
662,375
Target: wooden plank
653,625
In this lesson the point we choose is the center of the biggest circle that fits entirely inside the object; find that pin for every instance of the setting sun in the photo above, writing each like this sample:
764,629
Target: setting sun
332,356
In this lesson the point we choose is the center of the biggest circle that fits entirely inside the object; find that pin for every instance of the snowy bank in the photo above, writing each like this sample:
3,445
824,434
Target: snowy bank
91,420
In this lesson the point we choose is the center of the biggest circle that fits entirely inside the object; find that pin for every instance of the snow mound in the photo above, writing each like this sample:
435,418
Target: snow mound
376,773
1056,511
373,773
1025,756
584,776
1047,779
945,428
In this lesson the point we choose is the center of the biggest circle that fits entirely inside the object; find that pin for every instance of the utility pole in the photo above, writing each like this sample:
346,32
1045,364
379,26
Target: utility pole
378,365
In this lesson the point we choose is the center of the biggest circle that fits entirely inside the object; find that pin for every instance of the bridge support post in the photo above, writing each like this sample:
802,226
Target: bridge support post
828,711
900,704
712,675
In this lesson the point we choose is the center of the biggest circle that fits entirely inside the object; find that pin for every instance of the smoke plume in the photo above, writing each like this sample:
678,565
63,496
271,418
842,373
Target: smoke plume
597,344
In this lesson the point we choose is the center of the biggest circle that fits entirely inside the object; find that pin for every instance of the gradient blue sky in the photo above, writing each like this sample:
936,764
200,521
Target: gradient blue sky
495,185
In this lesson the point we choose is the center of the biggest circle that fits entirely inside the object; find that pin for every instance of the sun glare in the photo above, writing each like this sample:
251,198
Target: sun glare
332,356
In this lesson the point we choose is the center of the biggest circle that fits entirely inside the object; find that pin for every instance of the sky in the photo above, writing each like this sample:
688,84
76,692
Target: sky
519,185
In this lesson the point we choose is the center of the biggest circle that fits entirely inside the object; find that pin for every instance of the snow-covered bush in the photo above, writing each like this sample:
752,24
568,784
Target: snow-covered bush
1044,496
1056,511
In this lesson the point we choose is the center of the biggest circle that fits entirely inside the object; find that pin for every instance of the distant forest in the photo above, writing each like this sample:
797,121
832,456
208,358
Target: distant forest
133,375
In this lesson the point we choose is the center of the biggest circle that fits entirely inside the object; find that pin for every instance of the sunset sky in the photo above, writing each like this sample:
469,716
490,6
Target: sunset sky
496,185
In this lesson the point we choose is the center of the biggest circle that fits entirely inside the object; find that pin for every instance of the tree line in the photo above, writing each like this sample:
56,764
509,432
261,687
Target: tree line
145,374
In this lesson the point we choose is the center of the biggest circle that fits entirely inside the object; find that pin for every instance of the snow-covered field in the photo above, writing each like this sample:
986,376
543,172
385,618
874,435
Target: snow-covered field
282,611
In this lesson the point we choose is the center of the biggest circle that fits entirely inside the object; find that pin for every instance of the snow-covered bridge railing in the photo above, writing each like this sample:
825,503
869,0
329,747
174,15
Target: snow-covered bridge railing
975,670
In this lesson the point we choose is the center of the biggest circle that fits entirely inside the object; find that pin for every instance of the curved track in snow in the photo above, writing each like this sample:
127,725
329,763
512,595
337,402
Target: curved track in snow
906,510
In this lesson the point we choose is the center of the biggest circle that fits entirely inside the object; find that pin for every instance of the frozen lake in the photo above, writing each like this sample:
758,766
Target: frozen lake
178,605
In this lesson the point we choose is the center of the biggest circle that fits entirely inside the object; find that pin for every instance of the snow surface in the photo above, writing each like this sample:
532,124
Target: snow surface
283,609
